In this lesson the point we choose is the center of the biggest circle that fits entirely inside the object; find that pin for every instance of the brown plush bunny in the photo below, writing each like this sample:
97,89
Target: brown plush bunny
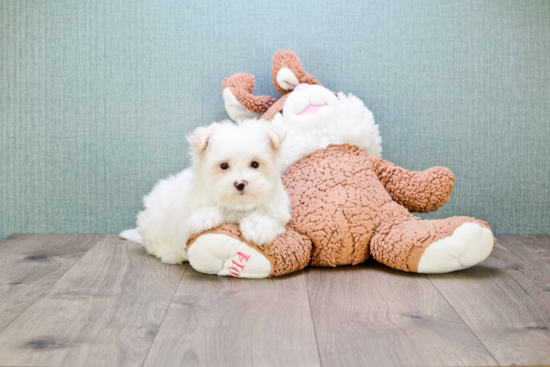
287,72
347,203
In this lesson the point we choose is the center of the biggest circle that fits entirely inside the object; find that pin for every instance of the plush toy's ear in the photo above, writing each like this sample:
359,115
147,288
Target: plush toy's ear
287,72
277,107
239,101
276,136
200,137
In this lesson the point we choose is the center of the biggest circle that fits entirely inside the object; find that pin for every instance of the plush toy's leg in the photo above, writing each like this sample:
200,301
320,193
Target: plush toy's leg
223,251
432,246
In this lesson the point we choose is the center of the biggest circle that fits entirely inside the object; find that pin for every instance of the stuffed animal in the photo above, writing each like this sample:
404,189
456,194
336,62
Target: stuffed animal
348,204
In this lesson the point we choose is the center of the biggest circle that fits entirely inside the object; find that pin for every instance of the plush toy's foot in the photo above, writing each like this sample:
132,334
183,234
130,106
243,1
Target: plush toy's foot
469,245
215,253
224,251
433,246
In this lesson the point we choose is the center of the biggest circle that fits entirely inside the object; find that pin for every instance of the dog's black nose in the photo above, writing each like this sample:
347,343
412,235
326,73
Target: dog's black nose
240,185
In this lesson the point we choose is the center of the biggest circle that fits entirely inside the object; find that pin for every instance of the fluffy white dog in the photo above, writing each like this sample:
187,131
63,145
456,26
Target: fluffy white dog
234,178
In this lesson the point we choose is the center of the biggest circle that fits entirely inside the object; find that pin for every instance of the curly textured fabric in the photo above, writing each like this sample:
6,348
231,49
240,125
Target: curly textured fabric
274,109
346,207
288,253
400,241
336,197
288,59
242,87
420,192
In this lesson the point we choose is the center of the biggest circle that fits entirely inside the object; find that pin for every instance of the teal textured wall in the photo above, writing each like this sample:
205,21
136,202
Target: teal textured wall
96,96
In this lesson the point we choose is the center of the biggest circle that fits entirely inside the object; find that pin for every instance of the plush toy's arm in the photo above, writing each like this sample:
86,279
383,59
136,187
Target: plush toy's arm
420,192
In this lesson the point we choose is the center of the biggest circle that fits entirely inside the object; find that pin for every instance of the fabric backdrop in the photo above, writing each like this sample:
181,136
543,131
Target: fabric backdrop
96,96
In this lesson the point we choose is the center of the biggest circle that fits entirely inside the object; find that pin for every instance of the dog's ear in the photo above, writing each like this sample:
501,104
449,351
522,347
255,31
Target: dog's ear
276,135
200,137
239,101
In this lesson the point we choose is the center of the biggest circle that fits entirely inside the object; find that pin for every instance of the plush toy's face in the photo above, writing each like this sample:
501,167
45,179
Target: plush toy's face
307,103
313,116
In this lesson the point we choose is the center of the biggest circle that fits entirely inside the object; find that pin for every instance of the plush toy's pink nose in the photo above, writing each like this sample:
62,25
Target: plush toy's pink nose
301,87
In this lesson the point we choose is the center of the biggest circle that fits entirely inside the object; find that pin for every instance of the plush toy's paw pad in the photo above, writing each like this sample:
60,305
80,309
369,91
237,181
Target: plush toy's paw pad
469,245
219,254
260,230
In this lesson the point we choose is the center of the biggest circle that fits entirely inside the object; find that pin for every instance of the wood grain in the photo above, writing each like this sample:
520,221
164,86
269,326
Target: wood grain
506,302
105,311
75,300
216,321
371,315
535,250
30,264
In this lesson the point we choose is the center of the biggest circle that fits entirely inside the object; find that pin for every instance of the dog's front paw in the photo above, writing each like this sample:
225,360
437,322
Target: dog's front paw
260,229
202,220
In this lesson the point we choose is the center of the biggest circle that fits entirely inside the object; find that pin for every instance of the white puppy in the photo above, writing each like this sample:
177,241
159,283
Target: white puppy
234,178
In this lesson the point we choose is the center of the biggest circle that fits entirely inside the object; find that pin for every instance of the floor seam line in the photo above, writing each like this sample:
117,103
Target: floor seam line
164,316
51,285
464,321
516,254
312,321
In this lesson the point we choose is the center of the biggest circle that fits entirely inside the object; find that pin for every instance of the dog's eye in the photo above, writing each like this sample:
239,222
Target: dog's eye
224,166
254,164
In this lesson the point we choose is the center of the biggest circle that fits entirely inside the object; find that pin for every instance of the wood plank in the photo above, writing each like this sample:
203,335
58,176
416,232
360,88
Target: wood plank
105,311
30,264
216,321
534,249
506,302
371,315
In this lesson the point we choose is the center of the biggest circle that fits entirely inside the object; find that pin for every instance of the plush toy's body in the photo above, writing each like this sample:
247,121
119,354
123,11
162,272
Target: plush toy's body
347,203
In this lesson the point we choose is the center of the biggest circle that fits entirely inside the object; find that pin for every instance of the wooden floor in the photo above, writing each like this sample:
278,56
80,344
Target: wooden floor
95,300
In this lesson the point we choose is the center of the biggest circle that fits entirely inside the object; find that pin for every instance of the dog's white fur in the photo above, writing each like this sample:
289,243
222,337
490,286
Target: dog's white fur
205,196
